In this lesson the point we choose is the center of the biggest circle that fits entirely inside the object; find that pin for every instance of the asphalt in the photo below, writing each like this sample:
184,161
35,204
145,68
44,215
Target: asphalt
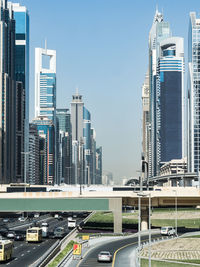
123,258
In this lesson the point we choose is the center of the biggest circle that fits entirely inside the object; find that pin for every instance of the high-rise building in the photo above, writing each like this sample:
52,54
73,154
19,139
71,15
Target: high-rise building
46,132
64,146
99,165
34,177
45,83
87,144
7,94
93,156
193,94
145,117
77,138
166,95
21,17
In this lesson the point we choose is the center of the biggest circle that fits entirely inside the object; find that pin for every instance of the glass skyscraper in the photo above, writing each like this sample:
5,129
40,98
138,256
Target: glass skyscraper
166,95
21,17
194,94
45,84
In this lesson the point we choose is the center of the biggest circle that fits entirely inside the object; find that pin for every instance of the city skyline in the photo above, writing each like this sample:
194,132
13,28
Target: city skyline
108,64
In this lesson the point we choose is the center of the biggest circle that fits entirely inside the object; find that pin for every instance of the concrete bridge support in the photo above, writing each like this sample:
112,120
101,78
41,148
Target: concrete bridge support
115,205
144,218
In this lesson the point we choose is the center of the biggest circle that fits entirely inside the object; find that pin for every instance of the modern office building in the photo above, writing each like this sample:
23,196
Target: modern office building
46,132
99,165
166,95
170,98
87,144
145,118
64,146
77,138
34,159
21,17
45,83
193,94
7,94
93,156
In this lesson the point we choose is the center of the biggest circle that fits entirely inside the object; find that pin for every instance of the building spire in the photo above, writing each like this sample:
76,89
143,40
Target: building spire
77,90
45,44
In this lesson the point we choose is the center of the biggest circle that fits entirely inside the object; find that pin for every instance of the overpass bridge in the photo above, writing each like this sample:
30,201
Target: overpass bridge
100,201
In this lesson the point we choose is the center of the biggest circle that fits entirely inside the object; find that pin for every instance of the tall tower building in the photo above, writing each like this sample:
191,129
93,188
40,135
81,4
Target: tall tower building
46,132
34,159
45,83
77,138
193,94
64,146
7,94
21,17
87,144
166,95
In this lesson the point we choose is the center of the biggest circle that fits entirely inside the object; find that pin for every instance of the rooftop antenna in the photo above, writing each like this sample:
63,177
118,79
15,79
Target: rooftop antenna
45,44
77,90
156,8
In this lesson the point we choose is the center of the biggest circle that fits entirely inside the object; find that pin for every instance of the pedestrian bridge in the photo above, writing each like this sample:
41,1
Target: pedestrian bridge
100,201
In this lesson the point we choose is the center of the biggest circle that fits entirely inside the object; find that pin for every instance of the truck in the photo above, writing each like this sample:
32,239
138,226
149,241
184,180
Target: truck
71,223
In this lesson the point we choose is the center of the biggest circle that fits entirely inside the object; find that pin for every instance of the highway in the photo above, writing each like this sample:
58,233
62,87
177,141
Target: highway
24,254
123,256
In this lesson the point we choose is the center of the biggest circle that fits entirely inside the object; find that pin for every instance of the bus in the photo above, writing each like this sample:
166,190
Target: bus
6,248
34,234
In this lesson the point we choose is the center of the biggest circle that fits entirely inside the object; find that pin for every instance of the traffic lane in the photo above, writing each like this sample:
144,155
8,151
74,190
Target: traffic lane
91,258
126,256
28,253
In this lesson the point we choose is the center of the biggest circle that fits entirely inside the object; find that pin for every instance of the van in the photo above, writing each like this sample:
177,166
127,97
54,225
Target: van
167,230
59,232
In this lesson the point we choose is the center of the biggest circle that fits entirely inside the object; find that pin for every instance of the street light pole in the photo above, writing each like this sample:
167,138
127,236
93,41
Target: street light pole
139,228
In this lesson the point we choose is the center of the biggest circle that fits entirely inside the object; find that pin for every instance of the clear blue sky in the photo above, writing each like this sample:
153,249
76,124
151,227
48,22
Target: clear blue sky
102,47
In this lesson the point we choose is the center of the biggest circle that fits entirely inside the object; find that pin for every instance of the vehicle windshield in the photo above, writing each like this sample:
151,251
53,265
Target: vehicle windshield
164,228
0,246
105,253
32,231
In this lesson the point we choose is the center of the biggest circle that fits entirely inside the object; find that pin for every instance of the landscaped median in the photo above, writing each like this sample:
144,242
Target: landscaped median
62,254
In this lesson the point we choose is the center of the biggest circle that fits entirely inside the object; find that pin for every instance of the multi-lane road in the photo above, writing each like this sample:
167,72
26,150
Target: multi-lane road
123,251
25,254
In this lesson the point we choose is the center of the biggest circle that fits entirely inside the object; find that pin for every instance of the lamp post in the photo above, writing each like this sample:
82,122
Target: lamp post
176,224
139,227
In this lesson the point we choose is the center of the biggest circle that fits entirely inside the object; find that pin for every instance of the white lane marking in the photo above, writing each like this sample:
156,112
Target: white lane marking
7,263
22,255
21,245
16,259
28,251
34,248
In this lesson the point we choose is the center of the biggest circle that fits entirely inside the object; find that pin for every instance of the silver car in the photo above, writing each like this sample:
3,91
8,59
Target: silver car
104,256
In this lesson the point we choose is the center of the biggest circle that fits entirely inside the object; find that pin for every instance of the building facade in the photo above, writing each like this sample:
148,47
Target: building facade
64,146
193,94
34,159
46,132
166,96
7,94
21,17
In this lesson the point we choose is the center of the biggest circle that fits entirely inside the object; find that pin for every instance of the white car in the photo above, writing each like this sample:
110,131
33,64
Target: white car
21,219
104,256
11,234
167,230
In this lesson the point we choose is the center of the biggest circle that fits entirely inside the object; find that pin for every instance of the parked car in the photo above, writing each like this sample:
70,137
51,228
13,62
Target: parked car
22,219
104,256
167,230
19,237
59,232
5,220
11,234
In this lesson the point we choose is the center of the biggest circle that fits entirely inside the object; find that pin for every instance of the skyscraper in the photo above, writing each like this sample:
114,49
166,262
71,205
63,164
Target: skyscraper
7,94
87,144
64,146
145,117
166,95
77,138
45,83
193,94
46,132
21,17
34,174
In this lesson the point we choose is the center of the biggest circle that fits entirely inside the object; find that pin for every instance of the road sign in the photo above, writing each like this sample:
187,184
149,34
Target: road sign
85,237
77,249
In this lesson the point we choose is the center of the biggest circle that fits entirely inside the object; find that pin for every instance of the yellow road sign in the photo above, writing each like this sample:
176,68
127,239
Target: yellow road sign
77,249
85,237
